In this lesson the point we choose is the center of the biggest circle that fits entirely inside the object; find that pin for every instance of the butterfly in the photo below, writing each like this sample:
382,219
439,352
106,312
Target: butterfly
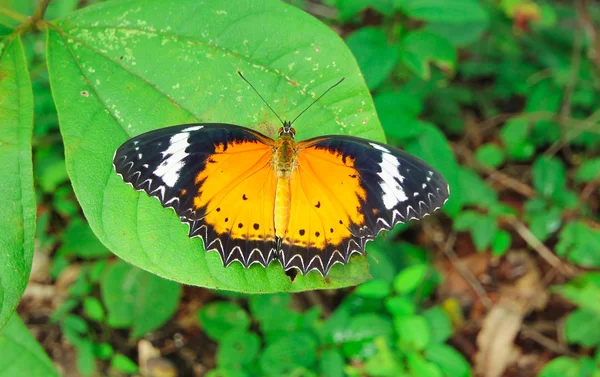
308,204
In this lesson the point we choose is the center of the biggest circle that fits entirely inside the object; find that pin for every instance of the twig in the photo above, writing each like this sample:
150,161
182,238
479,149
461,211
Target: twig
539,247
502,178
320,10
509,182
448,249
40,11
316,299
540,338
582,126
592,34
567,102
498,119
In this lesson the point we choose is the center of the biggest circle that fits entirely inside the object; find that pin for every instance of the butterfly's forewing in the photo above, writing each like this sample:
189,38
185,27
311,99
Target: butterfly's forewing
345,191
217,177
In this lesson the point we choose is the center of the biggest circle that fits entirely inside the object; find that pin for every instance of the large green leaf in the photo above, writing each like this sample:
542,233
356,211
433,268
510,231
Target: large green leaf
17,199
21,354
125,67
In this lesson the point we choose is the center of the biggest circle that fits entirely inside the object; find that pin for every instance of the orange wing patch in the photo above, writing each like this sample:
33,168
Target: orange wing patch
237,195
326,208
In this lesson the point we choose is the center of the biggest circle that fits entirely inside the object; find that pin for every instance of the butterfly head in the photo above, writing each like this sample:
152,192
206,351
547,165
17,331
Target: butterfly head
287,129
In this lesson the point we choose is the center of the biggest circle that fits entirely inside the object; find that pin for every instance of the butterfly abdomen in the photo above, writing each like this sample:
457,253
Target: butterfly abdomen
284,163
282,206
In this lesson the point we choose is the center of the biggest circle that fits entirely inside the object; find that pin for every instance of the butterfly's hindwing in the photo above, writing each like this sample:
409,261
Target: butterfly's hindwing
217,178
361,188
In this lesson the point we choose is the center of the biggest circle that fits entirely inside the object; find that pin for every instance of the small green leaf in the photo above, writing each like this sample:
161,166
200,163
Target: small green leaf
583,327
20,353
357,337
97,269
124,364
451,12
584,291
331,363
75,323
483,232
460,35
218,318
375,56
349,8
50,170
86,362
273,313
501,242
65,308
237,347
377,289
432,146
562,366
137,299
398,114
483,227
480,193
439,323
588,171
419,49
450,361
384,362
93,309
413,332
281,356
490,155
580,243
410,278
400,306
79,239
422,368
549,177
515,136
545,96
17,201
103,351
542,221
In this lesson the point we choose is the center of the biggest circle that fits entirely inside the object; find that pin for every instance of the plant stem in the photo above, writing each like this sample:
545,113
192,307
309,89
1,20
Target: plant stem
40,11
13,15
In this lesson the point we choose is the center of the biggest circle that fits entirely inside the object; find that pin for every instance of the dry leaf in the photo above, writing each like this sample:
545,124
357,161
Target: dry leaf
495,342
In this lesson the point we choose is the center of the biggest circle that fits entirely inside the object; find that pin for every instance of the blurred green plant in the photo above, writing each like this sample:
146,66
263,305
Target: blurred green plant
378,330
582,327
501,97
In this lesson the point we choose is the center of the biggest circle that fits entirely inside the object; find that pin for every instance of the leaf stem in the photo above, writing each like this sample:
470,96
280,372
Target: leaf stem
40,11
14,15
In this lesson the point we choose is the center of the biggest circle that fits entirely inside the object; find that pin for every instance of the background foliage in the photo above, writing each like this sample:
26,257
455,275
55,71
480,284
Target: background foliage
500,96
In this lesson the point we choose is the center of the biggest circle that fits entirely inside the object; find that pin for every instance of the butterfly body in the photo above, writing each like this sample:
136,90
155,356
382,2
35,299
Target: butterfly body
309,204
284,163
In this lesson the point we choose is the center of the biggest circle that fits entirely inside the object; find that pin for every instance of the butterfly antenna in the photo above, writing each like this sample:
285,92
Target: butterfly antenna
315,101
261,97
